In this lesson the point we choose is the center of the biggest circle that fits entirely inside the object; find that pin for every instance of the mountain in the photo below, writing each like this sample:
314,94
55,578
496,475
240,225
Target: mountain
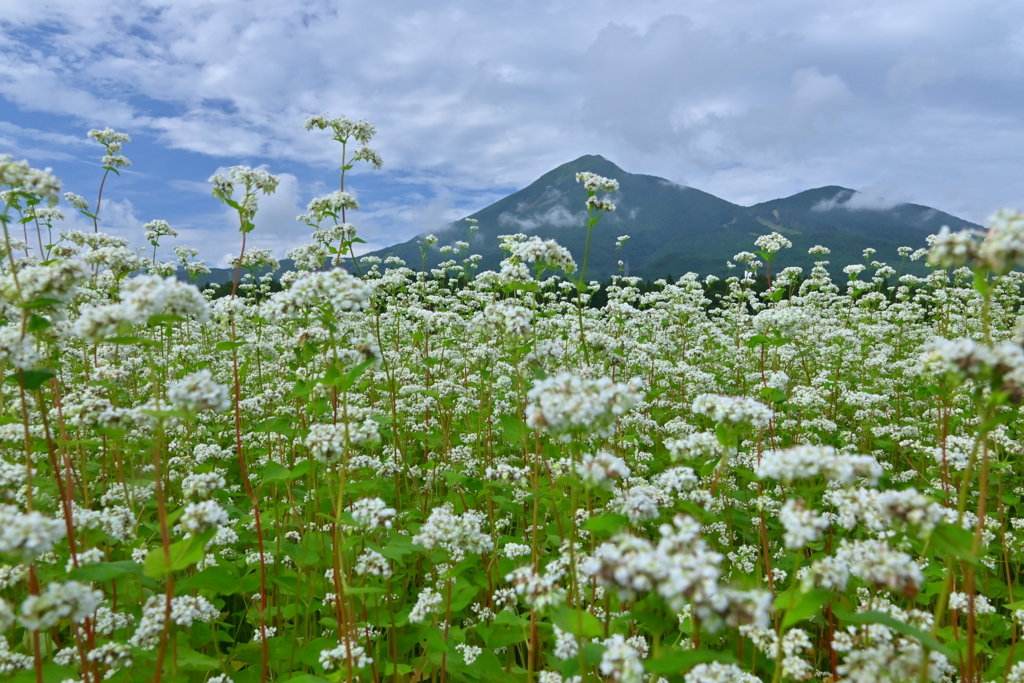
675,229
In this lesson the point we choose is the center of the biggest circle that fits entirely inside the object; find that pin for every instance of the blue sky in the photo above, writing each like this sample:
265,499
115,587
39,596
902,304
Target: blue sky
750,100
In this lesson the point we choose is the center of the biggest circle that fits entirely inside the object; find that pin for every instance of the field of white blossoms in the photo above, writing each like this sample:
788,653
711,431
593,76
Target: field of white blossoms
397,475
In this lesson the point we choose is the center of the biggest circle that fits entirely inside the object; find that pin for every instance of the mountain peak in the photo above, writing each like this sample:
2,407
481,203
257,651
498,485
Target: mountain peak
673,231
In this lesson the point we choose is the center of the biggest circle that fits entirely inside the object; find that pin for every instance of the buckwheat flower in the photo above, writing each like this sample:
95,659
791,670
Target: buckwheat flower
26,535
676,479
427,602
953,249
112,655
197,392
223,188
804,462
6,615
566,645
600,204
693,446
734,410
568,403
17,349
308,256
68,600
717,672
601,469
874,562
1003,246
115,161
456,533
156,229
772,243
639,502
548,253
106,621
371,513
469,652
108,137
593,182
620,662
203,516
334,289
10,661
84,557
911,507
515,550
368,155
828,573
372,563
326,442
802,525
961,602
332,205
255,258
508,474
343,654
58,280
77,201
202,484
262,633
538,591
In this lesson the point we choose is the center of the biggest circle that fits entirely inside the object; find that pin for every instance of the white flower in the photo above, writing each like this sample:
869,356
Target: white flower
197,392
735,410
772,243
343,654
203,516
804,462
469,652
566,403
68,600
802,525
371,513
601,469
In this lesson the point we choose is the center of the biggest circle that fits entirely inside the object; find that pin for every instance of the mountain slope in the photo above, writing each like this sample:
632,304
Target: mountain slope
675,229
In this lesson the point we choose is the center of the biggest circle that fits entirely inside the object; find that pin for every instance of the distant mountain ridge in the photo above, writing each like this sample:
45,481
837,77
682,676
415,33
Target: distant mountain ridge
675,229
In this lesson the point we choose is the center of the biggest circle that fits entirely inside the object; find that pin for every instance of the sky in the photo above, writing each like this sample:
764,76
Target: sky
751,100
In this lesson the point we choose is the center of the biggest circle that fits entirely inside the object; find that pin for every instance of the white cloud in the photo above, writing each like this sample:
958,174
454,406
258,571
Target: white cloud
877,197
556,217
747,100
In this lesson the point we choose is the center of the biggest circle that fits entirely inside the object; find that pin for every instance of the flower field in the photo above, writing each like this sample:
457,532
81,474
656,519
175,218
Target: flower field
383,473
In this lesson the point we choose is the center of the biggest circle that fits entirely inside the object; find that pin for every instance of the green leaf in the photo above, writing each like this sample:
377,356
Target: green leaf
397,548
955,540
607,522
513,429
674,660
190,660
213,579
307,678
37,323
896,625
41,303
279,425
182,554
801,606
105,571
354,374
577,622
230,345
33,379
275,472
